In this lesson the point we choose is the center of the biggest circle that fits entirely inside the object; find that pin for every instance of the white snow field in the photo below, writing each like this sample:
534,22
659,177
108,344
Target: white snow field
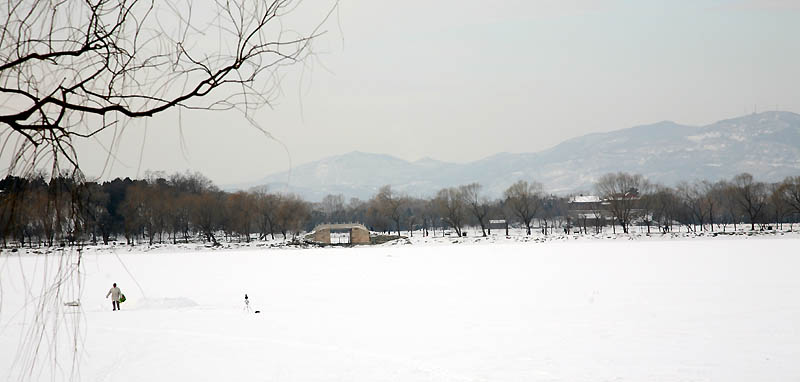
703,309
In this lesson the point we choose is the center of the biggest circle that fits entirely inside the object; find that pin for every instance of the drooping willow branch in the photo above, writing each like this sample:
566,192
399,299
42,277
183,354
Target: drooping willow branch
71,69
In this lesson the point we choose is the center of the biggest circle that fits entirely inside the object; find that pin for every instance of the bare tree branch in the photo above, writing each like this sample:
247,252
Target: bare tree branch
69,70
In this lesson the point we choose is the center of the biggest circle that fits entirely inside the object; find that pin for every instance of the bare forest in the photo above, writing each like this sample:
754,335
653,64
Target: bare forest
188,207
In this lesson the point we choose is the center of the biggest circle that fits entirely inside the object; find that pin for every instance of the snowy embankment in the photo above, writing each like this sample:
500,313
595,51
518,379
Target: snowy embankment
701,309
516,236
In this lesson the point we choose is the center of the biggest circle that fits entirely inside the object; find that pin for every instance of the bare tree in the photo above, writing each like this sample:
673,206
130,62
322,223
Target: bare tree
333,207
599,213
552,213
191,183
750,197
790,192
205,215
449,202
94,211
622,191
777,205
693,196
242,211
663,205
524,200
180,216
416,215
429,217
500,210
135,210
356,210
146,211
375,218
17,206
267,208
42,214
390,204
714,200
292,214
69,70
478,204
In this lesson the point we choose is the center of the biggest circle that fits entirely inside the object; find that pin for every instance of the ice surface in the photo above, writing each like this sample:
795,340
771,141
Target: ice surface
703,309
161,303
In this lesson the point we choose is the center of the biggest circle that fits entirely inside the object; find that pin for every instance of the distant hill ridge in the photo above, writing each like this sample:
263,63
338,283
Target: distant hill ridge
765,144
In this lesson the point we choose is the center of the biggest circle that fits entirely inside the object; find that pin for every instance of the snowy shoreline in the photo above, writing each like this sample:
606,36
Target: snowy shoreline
517,236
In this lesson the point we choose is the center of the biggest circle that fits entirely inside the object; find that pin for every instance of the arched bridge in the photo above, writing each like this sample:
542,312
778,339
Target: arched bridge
359,234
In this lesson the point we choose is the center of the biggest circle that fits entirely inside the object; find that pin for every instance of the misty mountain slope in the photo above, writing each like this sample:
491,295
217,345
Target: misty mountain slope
357,174
765,144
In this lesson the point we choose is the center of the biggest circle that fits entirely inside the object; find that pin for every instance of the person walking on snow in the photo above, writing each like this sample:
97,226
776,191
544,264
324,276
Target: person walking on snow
114,292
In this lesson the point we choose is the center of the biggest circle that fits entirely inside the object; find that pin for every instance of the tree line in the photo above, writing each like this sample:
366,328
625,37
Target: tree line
186,207
157,209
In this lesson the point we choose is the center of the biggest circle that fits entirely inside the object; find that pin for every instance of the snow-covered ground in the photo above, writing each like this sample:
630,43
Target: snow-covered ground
699,309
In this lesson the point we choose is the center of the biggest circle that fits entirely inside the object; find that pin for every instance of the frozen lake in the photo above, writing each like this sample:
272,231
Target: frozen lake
705,309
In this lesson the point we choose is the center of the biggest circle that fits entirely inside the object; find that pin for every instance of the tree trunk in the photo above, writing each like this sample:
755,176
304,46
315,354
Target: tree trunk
711,217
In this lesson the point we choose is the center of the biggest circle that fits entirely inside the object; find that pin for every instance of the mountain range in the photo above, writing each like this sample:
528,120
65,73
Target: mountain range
766,145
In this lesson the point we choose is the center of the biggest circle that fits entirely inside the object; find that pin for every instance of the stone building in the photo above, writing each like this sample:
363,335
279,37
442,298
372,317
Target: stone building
356,233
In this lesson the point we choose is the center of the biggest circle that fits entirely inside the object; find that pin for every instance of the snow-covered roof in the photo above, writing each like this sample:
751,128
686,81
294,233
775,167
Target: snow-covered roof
585,199
590,215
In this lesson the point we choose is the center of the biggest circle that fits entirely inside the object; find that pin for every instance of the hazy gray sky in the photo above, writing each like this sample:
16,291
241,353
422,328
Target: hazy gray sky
458,80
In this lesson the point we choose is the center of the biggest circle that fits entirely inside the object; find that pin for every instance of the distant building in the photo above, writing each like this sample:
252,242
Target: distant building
586,211
498,224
